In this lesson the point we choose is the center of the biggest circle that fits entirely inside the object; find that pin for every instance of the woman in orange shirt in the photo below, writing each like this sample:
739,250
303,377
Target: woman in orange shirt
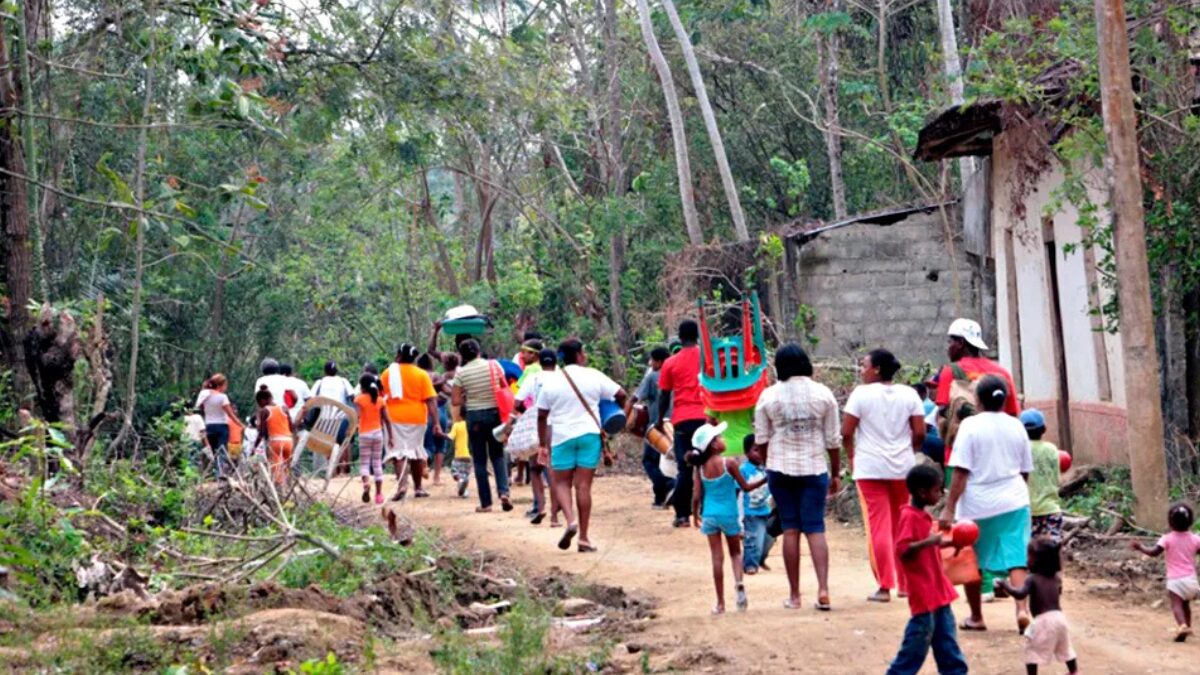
411,404
372,415
275,426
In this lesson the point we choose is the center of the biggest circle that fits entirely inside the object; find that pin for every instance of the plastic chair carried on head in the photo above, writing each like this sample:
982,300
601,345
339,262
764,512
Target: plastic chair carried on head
322,438
733,369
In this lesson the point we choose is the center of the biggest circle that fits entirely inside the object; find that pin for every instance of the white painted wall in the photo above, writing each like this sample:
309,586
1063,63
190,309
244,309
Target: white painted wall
1036,328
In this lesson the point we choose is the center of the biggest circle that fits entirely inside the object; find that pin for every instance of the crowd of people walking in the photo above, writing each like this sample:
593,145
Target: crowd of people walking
925,471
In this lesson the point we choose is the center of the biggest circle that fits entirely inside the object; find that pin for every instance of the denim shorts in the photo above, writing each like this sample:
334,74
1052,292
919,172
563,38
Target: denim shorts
581,452
730,525
800,500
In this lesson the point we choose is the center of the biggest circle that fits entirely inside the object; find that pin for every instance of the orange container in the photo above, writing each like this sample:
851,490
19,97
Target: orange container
661,441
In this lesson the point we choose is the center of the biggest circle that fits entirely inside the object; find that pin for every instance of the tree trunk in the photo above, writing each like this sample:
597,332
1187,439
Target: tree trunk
710,122
828,51
1143,403
616,179
14,214
449,278
683,165
26,26
139,247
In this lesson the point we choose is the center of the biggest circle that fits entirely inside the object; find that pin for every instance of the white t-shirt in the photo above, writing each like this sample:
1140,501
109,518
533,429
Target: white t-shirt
995,449
883,447
213,403
530,388
568,418
276,384
335,387
300,387
193,427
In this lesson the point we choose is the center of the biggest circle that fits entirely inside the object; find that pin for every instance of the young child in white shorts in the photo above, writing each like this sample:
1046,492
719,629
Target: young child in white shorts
1048,638
1180,546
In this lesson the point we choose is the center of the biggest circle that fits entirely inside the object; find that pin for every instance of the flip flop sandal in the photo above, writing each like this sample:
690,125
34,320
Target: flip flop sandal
399,496
1023,622
823,604
966,624
483,509
879,596
506,504
586,548
555,524
1182,633
743,602
789,604
538,518
565,542
717,611
366,496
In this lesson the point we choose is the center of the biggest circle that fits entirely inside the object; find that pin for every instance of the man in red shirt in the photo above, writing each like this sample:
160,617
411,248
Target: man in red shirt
929,590
679,382
965,348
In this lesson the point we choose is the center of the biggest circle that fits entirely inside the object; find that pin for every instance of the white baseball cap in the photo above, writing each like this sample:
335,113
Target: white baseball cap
968,330
706,434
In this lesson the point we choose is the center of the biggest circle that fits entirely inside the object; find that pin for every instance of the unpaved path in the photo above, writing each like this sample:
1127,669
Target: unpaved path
640,551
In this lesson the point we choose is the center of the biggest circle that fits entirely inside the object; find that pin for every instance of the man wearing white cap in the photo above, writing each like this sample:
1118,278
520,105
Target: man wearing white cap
965,347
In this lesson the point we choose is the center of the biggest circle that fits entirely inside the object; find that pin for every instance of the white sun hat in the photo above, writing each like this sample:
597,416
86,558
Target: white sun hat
968,330
707,434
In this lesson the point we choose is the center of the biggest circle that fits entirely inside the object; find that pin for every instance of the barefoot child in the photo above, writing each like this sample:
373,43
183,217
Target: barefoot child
756,508
1047,639
1180,546
715,498
929,591
372,415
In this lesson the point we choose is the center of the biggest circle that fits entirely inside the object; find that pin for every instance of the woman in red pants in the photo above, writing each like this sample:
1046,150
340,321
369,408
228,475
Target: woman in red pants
882,429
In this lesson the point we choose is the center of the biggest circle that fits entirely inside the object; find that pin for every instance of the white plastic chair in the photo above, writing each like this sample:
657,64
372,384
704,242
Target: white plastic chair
322,438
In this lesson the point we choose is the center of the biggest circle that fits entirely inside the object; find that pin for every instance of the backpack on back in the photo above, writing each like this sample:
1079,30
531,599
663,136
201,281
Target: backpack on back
963,404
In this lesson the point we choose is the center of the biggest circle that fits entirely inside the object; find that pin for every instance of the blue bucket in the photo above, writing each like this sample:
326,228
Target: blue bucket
612,417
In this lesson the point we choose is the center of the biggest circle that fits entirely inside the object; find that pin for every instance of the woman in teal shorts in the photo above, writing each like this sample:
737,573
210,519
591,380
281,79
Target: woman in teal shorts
991,462
569,430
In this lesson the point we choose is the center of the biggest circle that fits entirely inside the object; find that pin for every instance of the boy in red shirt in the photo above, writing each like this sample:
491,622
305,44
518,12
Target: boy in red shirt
929,591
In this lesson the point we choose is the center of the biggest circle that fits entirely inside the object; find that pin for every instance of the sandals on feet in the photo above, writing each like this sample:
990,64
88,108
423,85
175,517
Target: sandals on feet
823,603
967,624
743,602
586,548
791,604
506,503
718,610
483,509
538,518
880,596
399,496
1023,622
1182,633
366,496
565,542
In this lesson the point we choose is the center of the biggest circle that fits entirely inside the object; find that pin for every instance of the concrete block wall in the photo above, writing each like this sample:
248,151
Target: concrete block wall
891,287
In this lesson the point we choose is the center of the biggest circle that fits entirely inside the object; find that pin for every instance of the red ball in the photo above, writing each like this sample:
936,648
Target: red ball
1064,461
964,533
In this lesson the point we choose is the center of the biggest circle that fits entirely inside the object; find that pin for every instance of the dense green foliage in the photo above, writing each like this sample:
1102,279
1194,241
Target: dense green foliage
322,181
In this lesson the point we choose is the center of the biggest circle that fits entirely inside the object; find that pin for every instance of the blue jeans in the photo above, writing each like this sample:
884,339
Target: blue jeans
931,629
485,448
758,542
659,482
218,441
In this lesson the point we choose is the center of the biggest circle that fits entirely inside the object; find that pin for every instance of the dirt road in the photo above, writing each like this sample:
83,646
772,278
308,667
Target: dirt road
640,551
